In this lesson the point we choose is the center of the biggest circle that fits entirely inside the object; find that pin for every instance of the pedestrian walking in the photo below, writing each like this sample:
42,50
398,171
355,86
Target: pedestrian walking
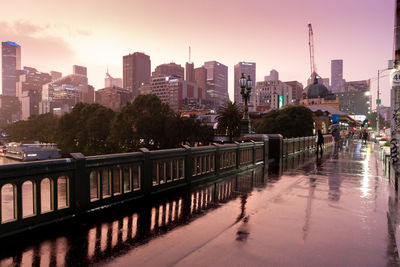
336,137
320,141
365,136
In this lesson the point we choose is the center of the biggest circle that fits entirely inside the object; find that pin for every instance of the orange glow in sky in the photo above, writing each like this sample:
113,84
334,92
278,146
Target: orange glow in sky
55,34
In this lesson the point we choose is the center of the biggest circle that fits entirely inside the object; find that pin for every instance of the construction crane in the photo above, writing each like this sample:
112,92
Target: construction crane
311,46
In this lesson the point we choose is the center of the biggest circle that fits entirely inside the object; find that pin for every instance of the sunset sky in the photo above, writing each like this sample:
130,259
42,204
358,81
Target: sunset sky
56,34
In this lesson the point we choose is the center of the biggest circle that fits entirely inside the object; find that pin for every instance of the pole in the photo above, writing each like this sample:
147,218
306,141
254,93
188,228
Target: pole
377,108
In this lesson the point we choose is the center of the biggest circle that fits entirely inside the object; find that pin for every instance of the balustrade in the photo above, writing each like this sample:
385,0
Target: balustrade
36,193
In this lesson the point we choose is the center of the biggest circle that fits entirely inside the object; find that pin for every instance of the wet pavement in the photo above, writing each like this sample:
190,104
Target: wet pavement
334,211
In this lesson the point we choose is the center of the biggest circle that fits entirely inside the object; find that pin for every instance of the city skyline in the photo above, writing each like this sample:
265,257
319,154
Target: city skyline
273,36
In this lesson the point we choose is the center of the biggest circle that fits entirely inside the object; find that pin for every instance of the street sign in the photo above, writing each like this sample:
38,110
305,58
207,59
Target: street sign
378,102
395,78
335,118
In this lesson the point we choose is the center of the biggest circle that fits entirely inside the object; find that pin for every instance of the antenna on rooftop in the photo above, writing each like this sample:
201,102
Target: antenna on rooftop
190,55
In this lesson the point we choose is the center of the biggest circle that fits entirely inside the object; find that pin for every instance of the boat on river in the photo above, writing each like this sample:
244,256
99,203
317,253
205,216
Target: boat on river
30,152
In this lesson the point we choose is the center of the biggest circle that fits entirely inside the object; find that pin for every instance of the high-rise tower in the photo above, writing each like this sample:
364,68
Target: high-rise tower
337,76
217,82
10,62
136,71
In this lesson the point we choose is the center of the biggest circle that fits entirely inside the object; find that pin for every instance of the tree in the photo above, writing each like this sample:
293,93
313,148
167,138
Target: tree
147,122
40,128
85,129
292,121
142,123
193,131
228,118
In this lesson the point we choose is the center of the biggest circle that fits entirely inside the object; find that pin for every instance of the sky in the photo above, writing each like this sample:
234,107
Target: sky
56,34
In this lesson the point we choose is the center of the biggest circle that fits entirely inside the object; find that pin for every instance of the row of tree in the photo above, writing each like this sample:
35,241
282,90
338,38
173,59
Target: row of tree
292,121
147,122
94,129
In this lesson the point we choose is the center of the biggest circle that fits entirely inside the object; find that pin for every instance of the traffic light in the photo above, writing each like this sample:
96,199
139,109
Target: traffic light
366,123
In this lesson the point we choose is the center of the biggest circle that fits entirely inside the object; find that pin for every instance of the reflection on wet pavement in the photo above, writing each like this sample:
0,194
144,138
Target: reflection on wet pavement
308,212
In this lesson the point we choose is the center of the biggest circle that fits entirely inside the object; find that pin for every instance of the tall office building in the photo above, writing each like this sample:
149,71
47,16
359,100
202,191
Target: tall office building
337,76
29,90
177,93
136,71
170,69
10,62
356,98
248,68
297,90
79,70
190,72
272,95
61,95
217,83
200,77
273,76
113,97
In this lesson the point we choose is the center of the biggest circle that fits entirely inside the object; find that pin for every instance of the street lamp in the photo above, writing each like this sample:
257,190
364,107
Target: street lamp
245,85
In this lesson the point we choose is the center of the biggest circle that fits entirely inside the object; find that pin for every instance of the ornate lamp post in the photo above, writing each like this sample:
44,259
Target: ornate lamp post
245,85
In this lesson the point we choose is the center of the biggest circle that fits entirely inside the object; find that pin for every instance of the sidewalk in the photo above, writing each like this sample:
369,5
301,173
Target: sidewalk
332,212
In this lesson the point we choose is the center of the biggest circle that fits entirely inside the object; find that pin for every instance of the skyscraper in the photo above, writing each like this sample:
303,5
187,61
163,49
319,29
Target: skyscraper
217,82
79,70
136,71
337,76
200,77
189,72
248,68
170,69
61,95
10,62
29,90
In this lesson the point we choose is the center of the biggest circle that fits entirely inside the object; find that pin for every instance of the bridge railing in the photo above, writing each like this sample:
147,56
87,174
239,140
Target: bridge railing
291,146
35,193
38,193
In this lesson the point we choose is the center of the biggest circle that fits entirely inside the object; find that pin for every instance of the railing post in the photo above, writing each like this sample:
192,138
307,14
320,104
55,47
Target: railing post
254,152
188,164
237,154
217,159
275,147
266,151
18,192
147,179
80,195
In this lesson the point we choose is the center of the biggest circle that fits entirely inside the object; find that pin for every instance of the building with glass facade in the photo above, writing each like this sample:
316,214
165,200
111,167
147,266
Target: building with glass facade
10,62
217,83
